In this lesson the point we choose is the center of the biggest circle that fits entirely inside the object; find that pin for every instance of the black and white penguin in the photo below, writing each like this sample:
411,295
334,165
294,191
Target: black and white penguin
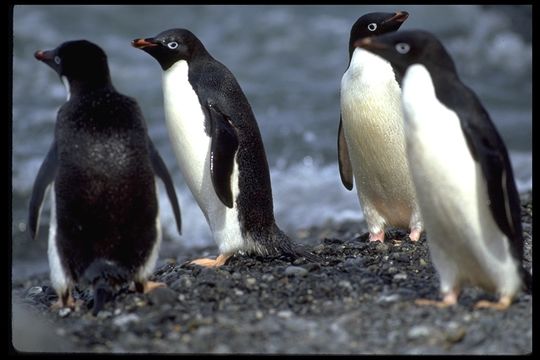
461,171
105,229
218,146
371,145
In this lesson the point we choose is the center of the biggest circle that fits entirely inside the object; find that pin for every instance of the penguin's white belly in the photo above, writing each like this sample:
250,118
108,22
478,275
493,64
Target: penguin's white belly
60,279
185,121
372,123
465,242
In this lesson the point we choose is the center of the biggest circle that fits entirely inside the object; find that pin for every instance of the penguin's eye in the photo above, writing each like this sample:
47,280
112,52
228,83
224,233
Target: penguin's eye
172,45
57,60
402,48
372,27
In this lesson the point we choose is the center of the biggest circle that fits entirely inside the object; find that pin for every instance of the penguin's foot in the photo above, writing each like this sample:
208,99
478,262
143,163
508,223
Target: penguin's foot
376,236
449,299
147,286
63,302
415,234
220,260
503,304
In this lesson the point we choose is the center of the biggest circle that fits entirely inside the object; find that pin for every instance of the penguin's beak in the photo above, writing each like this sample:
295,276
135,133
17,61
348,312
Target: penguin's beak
44,55
399,17
143,43
48,57
369,43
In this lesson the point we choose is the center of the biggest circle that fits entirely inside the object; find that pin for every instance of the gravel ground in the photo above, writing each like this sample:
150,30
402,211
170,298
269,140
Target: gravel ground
359,299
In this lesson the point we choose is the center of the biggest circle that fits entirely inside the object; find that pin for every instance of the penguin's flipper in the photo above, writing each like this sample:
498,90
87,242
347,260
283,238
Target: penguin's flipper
222,151
345,169
160,169
45,176
488,149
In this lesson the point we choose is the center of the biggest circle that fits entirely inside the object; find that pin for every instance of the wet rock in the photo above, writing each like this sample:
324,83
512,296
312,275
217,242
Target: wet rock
295,271
162,296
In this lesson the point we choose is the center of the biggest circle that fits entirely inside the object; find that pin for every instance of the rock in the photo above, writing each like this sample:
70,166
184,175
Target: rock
419,331
33,291
295,271
183,282
285,314
162,296
125,319
63,312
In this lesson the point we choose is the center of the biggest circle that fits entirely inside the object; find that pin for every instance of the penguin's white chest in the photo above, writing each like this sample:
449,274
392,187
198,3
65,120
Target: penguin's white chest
373,127
465,242
186,124
185,121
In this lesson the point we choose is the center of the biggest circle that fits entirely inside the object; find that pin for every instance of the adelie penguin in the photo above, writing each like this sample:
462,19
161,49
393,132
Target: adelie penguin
371,144
219,148
105,229
461,171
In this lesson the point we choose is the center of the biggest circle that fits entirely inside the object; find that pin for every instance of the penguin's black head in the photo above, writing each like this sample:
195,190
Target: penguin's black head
406,48
78,60
374,24
171,46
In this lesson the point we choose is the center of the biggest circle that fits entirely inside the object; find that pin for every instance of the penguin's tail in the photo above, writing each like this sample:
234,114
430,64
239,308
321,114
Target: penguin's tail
288,248
527,280
104,276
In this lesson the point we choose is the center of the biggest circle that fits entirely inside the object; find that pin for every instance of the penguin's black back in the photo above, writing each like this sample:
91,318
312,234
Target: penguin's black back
105,190
213,82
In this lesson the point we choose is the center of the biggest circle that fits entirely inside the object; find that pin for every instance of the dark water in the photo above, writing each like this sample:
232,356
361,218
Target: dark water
289,61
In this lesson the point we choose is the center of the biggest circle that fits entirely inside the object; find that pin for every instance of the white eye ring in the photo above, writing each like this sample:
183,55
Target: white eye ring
372,27
172,45
402,48
57,60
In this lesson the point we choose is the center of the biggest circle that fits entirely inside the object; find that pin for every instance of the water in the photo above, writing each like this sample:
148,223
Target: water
289,61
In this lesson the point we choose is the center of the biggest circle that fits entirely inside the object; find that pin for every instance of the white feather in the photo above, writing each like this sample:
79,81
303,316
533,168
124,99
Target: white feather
66,85
60,280
373,127
185,121
148,267
465,243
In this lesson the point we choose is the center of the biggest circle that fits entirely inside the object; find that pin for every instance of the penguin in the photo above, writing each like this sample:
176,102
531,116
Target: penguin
371,144
104,229
218,147
461,171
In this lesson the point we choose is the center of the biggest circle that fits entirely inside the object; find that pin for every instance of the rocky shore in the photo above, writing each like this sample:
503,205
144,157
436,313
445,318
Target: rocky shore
359,299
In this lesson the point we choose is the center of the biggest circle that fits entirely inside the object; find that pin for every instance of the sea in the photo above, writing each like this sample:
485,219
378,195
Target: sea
289,60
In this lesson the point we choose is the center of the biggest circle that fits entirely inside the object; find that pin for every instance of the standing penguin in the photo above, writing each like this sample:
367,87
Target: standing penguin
105,227
461,171
218,146
371,144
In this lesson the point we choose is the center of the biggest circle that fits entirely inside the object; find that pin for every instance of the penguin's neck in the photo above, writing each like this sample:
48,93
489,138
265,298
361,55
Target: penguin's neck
369,68
417,85
76,87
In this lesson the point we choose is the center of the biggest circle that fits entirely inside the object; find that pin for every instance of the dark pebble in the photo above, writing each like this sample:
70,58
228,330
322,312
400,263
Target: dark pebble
162,296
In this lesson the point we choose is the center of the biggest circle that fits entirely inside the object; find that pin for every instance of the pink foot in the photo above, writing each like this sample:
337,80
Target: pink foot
376,236
415,234
503,304
217,262
68,302
448,300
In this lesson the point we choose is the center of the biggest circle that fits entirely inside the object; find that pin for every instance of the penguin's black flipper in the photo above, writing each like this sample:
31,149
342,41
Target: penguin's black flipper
45,177
488,149
160,169
345,168
222,151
